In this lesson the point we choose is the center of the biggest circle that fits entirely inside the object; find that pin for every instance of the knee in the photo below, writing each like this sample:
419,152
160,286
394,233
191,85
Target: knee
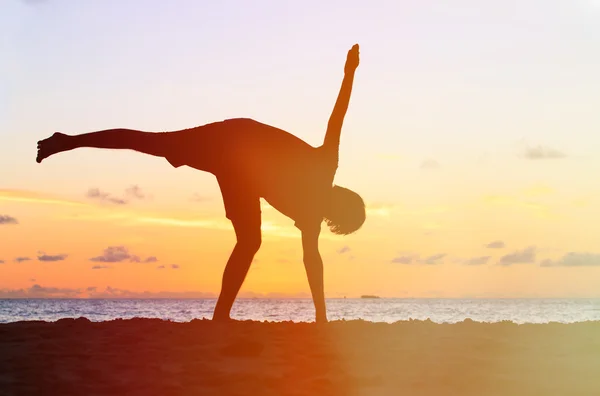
250,243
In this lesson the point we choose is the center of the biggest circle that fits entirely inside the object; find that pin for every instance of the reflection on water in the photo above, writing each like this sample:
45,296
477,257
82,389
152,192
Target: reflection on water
302,310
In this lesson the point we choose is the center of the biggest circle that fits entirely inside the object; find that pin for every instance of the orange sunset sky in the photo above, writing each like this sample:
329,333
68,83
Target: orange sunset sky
472,135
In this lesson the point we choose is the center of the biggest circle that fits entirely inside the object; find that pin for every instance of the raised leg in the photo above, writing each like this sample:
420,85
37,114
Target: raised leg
248,242
145,142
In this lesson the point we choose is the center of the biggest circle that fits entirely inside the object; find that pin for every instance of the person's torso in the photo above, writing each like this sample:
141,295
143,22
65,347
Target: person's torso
291,175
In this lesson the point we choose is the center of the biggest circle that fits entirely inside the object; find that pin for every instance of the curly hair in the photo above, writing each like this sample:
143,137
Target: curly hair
346,213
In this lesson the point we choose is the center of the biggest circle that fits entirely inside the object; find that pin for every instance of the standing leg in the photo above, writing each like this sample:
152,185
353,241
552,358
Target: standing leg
244,212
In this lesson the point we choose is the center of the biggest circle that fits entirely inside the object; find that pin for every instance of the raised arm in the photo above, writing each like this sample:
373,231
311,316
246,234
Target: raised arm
336,120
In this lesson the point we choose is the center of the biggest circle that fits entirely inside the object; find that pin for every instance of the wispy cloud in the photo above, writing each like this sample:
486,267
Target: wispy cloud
51,258
495,245
477,260
119,254
524,256
21,259
407,259
268,228
541,152
35,198
434,259
574,259
95,193
135,191
6,219
38,291
430,164
172,266
177,222
344,249
403,260
99,267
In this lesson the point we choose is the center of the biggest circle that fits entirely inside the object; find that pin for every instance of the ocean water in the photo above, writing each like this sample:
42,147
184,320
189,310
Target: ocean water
302,310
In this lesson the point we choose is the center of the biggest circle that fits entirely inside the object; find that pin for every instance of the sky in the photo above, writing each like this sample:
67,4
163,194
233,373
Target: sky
472,135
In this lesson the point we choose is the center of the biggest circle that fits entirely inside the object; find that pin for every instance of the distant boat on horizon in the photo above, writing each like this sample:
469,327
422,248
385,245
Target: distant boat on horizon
369,296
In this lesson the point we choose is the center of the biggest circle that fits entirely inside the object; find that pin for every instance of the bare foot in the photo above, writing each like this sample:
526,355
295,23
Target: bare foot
54,144
221,318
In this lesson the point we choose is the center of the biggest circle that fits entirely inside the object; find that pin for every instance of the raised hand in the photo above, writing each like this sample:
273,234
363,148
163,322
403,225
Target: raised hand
352,60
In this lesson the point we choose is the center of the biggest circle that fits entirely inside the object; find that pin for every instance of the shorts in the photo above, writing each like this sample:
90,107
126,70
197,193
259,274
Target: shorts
242,203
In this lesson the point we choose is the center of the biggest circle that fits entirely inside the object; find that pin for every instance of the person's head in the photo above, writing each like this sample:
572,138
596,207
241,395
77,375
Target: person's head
346,211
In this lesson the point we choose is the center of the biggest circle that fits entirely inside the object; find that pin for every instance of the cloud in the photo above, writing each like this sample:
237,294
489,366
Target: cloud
477,260
6,219
21,259
111,292
33,197
403,260
118,254
430,164
268,227
45,257
37,291
495,245
95,193
135,191
98,267
1,261
574,259
172,266
430,260
524,256
541,152
113,254
434,259
344,249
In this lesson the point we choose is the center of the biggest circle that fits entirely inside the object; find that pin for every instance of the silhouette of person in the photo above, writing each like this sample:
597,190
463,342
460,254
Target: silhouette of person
252,160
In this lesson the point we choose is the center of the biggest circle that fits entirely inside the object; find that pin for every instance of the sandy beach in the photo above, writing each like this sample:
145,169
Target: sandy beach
156,357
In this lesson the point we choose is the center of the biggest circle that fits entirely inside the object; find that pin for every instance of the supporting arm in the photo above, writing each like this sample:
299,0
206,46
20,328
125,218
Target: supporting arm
314,271
336,120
